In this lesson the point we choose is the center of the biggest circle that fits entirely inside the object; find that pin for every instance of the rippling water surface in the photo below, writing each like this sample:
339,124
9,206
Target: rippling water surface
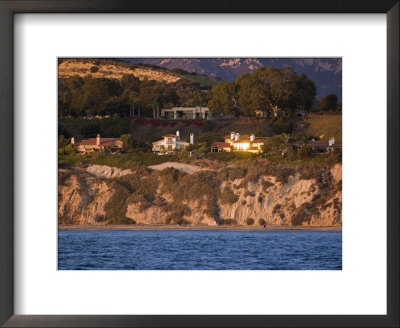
199,250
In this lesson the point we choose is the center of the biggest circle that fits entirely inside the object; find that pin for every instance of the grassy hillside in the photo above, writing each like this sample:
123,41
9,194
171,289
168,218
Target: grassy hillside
324,126
114,69
107,68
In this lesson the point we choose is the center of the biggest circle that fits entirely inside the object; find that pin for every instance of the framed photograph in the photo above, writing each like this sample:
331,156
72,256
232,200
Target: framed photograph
199,164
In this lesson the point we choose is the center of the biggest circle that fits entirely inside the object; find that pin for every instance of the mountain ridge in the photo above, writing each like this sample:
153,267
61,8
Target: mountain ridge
325,72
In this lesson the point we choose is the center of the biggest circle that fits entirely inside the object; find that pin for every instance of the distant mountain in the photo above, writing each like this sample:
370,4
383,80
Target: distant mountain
325,72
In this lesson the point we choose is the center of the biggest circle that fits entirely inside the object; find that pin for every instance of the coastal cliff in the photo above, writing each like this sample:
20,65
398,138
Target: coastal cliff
234,195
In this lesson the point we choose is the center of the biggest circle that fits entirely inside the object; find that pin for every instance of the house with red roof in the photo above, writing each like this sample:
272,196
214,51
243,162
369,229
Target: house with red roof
171,143
237,142
94,144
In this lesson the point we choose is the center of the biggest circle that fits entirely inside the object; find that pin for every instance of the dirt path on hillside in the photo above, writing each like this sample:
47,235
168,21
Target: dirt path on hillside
187,168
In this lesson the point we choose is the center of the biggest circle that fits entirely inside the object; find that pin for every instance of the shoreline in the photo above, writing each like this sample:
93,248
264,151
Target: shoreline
162,227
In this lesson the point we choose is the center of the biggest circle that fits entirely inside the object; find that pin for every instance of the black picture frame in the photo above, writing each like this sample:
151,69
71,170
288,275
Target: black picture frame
10,7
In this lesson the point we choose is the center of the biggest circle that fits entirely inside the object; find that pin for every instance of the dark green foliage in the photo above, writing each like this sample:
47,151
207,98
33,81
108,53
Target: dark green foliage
275,144
143,190
116,206
301,216
273,88
231,156
249,193
329,102
89,128
284,174
178,211
249,221
62,177
208,126
279,126
94,69
68,149
62,141
125,161
100,218
228,222
276,208
262,222
205,141
229,174
266,184
228,197
223,99
202,186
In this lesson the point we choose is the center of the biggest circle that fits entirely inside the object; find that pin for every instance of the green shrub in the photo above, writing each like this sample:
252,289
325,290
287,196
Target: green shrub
208,126
62,177
228,222
262,222
202,186
94,69
279,126
227,174
66,150
276,208
275,144
249,221
249,193
228,197
266,184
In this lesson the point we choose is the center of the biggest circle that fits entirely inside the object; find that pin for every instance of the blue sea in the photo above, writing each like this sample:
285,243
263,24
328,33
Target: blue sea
199,250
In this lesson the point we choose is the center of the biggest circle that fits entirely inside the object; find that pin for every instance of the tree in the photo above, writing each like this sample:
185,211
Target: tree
276,144
127,142
130,86
152,96
305,93
223,99
329,102
272,88
275,86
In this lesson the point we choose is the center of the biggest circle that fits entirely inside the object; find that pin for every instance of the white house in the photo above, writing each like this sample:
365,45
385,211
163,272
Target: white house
190,113
170,143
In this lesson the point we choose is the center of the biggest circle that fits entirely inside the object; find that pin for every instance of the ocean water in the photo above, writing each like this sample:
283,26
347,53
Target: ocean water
199,250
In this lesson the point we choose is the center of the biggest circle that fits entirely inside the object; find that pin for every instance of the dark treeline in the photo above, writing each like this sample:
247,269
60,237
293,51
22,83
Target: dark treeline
129,96
267,88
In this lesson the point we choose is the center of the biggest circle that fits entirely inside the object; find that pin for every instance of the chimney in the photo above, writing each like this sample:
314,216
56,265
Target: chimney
177,135
98,140
331,141
191,138
232,135
237,136
252,137
73,141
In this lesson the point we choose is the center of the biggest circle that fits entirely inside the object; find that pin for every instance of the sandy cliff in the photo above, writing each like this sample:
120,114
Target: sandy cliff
99,195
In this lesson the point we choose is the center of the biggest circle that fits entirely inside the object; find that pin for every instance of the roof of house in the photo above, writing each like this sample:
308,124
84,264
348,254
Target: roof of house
221,144
169,136
256,140
158,141
241,136
92,142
